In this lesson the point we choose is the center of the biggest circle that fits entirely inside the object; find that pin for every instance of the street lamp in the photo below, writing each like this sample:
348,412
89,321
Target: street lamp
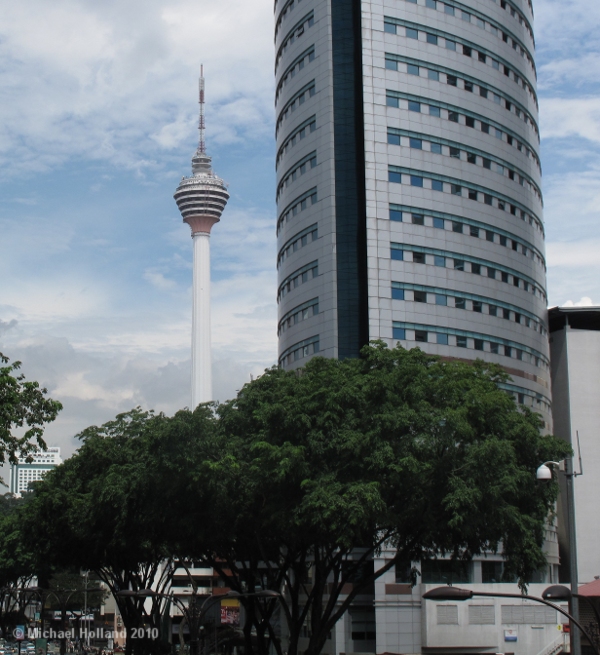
557,592
544,472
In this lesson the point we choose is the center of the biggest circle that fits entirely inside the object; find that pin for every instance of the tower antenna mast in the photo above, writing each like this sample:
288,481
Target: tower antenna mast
201,142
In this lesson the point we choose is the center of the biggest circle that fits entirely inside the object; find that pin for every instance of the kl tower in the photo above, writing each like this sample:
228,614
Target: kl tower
201,199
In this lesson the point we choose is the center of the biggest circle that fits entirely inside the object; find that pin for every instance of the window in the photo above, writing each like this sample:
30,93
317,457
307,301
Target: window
394,177
411,69
494,348
482,58
398,294
503,240
487,163
489,236
507,351
415,180
474,231
461,342
437,148
487,199
471,158
421,336
506,314
438,223
439,260
469,87
399,333
452,80
442,339
457,227
389,28
414,106
456,190
392,102
485,128
459,265
472,194
433,75
470,121
504,277
440,299
411,33
477,307
432,4
391,65
454,152
483,92
395,215
453,116
434,111
449,9
418,219
478,344
398,255
393,139
420,296
492,310
416,143
467,51
436,185
418,257
476,269
432,38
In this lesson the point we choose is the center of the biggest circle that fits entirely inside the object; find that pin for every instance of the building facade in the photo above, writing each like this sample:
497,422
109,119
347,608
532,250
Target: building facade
24,473
409,183
575,355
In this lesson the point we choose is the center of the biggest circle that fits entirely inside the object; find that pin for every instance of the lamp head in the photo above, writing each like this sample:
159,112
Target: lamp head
543,473
557,592
448,593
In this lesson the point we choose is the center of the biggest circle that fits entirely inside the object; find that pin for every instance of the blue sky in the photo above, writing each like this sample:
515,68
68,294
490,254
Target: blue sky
98,124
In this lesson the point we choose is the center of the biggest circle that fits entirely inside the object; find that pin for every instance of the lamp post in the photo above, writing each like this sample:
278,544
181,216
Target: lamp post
544,472
557,592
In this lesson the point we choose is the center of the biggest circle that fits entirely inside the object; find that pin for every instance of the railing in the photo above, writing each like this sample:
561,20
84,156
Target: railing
557,646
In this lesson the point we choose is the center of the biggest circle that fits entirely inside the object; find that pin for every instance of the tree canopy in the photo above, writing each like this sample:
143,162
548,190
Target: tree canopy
298,482
23,405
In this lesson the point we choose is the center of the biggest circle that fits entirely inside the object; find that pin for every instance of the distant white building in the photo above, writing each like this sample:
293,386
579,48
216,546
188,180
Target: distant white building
24,473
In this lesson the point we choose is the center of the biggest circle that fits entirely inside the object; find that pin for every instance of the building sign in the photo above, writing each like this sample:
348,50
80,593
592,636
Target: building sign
510,635
230,611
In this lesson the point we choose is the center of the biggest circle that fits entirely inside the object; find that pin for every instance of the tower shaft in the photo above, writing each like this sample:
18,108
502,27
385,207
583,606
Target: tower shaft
201,337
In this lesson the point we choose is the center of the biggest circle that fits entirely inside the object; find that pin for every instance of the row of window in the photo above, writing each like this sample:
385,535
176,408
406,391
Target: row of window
289,5
485,23
298,277
444,184
461,225
299,168
300,313
439,74
456,150
299,350
486,615
508,5
297,134
295,33
297,205
463,339
462,117
295,101
466,301
451,42
298,241
466,263
295,67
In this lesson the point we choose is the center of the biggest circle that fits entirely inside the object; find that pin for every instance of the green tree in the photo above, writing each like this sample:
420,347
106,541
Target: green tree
22,405
319,468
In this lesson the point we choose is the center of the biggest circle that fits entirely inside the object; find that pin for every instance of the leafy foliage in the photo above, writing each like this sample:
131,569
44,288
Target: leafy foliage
22,405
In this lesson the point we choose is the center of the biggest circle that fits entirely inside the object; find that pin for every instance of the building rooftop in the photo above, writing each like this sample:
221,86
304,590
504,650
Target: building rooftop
579,318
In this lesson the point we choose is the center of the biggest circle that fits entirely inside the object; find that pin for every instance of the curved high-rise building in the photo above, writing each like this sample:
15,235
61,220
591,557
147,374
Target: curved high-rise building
409,183
201,199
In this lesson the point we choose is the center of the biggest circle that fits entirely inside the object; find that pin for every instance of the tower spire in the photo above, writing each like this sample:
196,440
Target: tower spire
201,142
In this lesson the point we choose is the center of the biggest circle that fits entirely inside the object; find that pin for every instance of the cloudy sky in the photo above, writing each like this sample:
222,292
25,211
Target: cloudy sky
97,125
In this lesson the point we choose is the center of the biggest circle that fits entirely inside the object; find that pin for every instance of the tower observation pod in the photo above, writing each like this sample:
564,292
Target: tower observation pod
201,199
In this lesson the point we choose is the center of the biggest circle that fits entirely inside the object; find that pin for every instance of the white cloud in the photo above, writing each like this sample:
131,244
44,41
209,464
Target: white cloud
159,281
562,118
584,302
